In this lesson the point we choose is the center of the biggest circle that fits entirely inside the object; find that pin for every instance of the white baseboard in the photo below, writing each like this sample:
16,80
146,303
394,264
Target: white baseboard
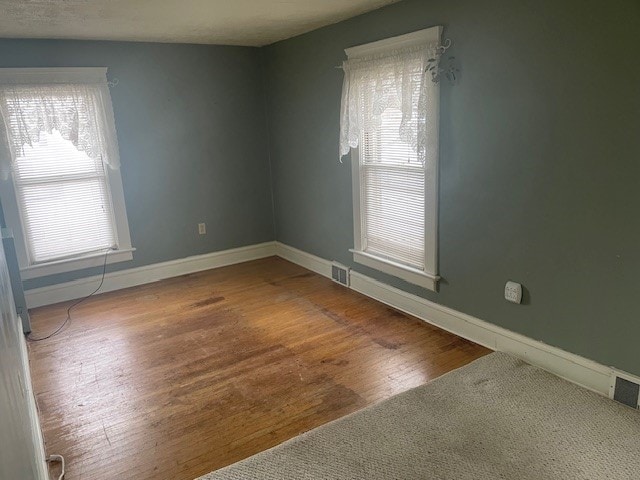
304,259
62,292
574,368
569,366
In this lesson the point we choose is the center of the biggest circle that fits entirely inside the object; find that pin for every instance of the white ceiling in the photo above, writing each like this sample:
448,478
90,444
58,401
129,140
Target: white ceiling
226,22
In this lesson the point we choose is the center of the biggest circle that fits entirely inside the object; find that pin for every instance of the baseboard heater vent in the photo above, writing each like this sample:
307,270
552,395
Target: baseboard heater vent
625,389
340,274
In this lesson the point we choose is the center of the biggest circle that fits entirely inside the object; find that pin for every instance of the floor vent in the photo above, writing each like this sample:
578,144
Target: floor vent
340,274
625,389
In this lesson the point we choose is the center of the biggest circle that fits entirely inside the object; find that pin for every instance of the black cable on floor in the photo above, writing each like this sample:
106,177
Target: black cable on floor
78,302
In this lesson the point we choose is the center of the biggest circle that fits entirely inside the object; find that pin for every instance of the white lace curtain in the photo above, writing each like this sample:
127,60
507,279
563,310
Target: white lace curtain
395,79
81,112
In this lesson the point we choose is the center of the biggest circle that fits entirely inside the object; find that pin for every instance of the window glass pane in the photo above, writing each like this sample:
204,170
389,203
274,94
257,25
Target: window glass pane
53,156
64,200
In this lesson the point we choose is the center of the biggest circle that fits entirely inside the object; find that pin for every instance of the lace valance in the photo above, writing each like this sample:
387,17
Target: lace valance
397,79
80,112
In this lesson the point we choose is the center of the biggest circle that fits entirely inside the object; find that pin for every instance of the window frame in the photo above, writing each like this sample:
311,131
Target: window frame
427,278
11,207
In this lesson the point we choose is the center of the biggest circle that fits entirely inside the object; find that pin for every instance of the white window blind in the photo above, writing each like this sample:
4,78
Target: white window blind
64,199
392,180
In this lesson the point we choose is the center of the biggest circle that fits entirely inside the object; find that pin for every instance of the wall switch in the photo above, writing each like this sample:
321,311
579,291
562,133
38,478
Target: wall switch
513,292
202,228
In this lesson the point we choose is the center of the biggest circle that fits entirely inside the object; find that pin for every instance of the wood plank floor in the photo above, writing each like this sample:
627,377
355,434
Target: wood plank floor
174,379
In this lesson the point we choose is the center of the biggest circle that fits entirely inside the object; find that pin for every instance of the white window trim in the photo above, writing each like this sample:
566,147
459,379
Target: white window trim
427,278
428,35
411,275
124,250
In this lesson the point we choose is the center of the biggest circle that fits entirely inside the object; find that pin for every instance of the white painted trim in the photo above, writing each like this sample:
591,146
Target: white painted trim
304,259
76,263
61,292
428,35
357,196
118,207
34,418
12,216
432,186
571,367
411,275
576,369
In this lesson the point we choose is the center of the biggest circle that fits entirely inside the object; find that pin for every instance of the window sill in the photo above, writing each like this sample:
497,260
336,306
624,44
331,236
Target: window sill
77,263
411,275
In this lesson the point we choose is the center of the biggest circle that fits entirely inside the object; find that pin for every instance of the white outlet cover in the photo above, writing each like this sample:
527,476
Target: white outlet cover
513,292
202,228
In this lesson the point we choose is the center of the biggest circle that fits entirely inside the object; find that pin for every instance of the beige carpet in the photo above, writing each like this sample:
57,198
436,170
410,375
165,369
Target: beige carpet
497,418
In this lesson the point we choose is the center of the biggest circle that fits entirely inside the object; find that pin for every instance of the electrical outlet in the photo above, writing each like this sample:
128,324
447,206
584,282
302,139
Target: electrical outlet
513,292
202,228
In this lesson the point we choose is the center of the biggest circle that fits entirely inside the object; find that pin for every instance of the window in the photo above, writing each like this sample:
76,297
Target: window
61,189
389,121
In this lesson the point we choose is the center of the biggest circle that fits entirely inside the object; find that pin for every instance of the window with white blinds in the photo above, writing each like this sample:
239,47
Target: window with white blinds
390,114
60,182
64,200
392,190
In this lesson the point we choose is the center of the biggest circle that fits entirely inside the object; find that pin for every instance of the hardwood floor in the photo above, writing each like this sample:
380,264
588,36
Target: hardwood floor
174,379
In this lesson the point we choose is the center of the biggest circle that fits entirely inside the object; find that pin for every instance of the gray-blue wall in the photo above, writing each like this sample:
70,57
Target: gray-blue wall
192,133
540,161
540,156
